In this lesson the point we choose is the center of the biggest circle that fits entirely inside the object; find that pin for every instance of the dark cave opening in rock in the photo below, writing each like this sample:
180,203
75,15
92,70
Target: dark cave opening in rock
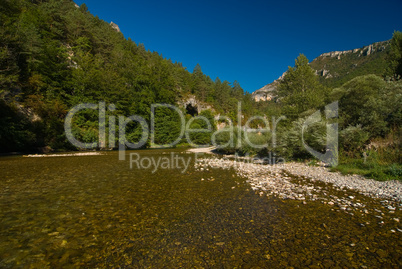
192,110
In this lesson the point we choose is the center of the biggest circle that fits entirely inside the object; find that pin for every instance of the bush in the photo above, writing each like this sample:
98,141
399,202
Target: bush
353,139
314,135
233,140
395,171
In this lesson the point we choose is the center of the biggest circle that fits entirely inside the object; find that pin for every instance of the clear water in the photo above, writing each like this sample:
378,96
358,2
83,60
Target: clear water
94,211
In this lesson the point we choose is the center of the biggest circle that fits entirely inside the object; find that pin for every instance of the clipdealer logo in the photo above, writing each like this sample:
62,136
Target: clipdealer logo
148,133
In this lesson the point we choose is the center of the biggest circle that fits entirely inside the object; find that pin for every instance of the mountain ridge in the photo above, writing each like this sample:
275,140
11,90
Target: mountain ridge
336,67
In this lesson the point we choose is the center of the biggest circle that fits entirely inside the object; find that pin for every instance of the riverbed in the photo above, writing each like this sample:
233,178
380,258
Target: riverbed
95,211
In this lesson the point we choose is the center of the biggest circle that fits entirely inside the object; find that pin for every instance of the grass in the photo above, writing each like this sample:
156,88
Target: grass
370,169
382,163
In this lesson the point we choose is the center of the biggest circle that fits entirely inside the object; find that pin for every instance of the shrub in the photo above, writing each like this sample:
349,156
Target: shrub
314,135
353,138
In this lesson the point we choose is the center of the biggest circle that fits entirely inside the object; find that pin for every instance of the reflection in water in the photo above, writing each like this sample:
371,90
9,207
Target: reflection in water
95,211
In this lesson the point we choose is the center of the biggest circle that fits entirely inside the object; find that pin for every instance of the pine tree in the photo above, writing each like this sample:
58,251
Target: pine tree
394,58
300,89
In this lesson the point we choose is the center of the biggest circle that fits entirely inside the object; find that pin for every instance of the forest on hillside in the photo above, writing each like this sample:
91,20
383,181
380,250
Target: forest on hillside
55,55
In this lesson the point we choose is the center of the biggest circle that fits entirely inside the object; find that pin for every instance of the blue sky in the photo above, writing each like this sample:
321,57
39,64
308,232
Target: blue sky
252,42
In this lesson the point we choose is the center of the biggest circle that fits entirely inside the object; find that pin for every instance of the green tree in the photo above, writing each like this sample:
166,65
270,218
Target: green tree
353,139
202,138
54,55
300,89
364,101
394,58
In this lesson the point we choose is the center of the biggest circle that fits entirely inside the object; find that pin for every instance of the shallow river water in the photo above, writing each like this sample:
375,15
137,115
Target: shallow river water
96,212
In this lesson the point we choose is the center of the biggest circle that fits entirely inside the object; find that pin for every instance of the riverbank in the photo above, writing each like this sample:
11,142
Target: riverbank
278,174
279,177
62,155
352,194
208,150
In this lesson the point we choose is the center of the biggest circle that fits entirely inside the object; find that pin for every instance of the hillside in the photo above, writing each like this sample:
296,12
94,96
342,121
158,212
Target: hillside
55,54
337,67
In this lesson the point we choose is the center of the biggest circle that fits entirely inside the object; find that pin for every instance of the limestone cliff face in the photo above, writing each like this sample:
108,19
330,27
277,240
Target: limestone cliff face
194,106
267,93
365,51
337,64
336,67
115,27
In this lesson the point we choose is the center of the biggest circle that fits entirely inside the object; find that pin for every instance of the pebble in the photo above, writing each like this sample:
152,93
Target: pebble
272,177
298,181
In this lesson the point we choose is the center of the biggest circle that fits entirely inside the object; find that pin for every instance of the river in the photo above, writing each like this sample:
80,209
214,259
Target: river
96,211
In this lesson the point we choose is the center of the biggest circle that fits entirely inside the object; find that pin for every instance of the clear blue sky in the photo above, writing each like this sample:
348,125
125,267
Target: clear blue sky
252,42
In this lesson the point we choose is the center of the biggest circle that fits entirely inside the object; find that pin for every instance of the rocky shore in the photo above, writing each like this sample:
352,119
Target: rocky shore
63,155
297,181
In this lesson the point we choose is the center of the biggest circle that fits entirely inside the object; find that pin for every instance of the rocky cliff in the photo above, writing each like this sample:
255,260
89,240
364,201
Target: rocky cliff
115,27
337,67
267,93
